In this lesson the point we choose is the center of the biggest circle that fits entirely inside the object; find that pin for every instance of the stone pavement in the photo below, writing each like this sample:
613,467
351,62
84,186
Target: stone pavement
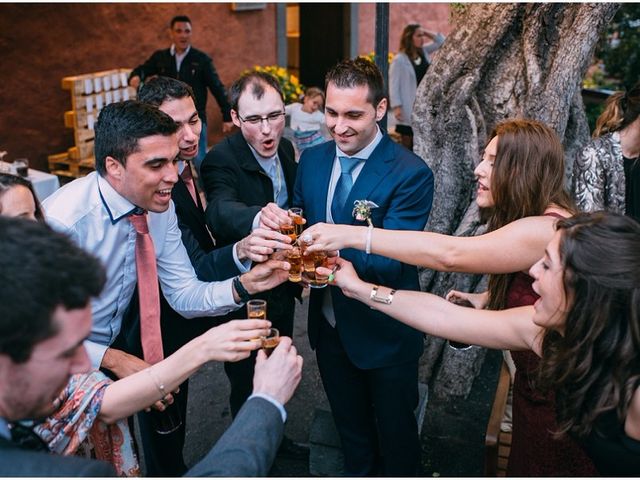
452,435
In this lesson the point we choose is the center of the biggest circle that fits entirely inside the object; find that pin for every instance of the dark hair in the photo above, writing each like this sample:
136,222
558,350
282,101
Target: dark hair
356,73
595,366
406,40
180,18
621,109
41,271
257,81
160,89
8,181
528,176
121,125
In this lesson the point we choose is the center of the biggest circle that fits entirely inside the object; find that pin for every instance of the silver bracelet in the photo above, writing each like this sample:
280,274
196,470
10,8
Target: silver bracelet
386,300
159,385
367,247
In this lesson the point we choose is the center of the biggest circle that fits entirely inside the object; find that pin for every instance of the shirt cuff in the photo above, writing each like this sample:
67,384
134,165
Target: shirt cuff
243,266
95,352
274,402
256,222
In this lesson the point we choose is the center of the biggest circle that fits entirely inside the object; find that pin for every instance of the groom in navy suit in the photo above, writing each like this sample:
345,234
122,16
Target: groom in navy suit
368,362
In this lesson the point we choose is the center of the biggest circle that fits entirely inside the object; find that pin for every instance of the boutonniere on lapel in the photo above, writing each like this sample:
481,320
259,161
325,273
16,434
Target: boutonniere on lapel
362,211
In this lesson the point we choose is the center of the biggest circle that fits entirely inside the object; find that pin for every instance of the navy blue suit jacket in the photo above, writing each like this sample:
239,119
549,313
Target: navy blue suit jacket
401,184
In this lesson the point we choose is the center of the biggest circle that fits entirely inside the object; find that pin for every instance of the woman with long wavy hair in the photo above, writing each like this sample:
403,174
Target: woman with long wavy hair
585,327
521,181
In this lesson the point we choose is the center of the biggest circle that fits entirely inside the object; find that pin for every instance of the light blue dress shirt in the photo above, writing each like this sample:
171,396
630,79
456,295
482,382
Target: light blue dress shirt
336,171
94,215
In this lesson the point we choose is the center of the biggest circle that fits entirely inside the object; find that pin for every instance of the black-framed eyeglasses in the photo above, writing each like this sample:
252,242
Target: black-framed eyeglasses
274,117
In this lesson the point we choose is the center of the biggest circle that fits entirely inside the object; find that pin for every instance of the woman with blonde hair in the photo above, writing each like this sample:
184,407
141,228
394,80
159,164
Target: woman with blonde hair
521,182
606,173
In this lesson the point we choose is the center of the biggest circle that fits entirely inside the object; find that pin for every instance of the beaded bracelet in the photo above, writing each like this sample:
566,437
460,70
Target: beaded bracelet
159,385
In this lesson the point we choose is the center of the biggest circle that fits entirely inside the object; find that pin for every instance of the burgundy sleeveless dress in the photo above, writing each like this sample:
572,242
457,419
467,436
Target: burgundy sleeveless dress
534,451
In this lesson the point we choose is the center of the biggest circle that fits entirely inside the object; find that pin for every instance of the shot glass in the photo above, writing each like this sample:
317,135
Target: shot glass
295,214
311,261
167,421
257,309
294,257
21,166
271,341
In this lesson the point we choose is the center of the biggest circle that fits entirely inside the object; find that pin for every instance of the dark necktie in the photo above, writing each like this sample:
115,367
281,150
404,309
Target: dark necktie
26,438
343,187
148,290
187,178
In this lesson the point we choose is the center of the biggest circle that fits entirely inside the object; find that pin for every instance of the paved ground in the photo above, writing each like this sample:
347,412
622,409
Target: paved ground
452,438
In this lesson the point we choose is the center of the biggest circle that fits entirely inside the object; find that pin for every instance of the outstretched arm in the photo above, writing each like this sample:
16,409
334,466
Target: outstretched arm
511,329
512,248
228,342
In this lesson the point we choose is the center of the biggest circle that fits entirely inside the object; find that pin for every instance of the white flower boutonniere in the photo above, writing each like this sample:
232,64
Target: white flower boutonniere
362,211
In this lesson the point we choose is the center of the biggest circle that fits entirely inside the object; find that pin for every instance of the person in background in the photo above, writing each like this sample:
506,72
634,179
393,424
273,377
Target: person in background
18,198
407,69
606,173
521,181
584,326
193,67
45,314
307,119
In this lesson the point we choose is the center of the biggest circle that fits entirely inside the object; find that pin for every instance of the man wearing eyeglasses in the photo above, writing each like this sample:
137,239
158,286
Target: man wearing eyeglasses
248,179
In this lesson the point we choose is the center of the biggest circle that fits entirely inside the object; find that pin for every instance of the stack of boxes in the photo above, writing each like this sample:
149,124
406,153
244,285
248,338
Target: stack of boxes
89,93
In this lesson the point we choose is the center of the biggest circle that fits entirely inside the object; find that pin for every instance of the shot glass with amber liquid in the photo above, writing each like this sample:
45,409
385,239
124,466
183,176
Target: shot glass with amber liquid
295,214
310,263
257,310
271,341
294,257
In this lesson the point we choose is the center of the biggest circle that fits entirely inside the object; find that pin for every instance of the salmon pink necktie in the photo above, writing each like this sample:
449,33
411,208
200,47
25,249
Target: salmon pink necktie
187,178
148,290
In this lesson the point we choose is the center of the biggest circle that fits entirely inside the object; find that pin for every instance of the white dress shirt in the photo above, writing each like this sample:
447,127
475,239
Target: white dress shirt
94,215
178,56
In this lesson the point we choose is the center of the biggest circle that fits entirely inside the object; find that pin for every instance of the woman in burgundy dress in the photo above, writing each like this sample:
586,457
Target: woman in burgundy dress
584,326
521,180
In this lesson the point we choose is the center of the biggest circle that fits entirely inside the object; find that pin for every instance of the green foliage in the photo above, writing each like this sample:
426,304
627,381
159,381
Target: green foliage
619,48
593,111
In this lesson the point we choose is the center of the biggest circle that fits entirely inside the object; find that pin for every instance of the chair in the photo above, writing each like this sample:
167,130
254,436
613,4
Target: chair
498,444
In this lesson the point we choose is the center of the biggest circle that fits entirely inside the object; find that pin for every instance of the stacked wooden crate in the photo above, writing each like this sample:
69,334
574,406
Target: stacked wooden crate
89,93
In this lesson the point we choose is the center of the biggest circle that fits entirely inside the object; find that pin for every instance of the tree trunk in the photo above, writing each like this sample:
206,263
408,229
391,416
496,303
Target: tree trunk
502,61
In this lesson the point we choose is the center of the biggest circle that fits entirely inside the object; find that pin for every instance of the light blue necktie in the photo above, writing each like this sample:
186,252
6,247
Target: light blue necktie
343,187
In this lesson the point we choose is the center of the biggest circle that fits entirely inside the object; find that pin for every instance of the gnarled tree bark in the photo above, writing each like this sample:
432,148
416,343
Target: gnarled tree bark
502,61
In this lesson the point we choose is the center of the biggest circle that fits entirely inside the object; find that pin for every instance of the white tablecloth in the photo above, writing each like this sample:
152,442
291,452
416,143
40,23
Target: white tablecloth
43,183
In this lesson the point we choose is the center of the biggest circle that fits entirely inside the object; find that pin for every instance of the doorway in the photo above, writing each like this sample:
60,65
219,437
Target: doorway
319,35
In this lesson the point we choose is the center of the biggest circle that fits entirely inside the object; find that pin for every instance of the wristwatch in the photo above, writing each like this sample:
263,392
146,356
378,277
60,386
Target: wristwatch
386,300
240,290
